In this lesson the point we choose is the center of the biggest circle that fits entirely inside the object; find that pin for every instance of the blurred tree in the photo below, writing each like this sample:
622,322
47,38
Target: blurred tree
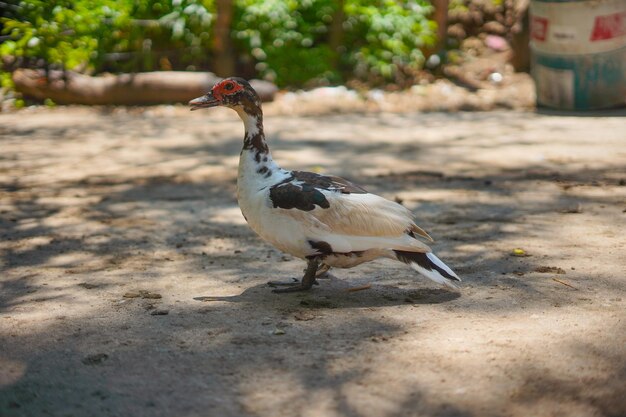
224,64
291,42
297,41
109,35
387,38
440,16
336,33
287,38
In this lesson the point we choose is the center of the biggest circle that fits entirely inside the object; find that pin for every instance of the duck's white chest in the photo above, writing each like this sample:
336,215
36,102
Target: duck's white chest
253,195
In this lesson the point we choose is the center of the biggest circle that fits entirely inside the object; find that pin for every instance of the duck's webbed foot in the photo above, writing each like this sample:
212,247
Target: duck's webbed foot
322,271
291,282
308,280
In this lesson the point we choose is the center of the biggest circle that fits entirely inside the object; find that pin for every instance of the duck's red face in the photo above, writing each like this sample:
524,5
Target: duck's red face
225,88
228,92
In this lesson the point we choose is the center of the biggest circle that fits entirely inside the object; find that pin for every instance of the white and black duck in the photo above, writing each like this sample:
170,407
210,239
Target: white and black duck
326,220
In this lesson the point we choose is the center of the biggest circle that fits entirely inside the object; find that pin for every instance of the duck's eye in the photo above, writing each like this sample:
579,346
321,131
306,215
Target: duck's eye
229,86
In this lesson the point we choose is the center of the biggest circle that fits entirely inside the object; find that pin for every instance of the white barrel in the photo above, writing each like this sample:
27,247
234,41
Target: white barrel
578,50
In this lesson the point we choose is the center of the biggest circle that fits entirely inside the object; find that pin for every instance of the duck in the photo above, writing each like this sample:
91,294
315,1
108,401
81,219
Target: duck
326,220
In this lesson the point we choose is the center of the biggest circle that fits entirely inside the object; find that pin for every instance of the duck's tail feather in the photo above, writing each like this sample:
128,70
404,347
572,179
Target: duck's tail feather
430,266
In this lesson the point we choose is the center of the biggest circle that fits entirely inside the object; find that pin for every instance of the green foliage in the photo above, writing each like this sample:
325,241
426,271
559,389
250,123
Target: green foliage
65,33
388,36
154,34
288,41
457,6
5,81
286,38
113,35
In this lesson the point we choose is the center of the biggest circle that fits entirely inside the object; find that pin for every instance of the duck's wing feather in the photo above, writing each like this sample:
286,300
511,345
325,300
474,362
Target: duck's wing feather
343,208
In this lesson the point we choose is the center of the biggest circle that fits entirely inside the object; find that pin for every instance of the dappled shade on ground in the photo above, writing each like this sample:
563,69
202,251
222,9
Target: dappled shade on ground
101,211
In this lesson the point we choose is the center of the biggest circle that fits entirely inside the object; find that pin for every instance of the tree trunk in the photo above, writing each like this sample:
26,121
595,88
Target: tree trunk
336,34
124,89
520,37
441,18
224,64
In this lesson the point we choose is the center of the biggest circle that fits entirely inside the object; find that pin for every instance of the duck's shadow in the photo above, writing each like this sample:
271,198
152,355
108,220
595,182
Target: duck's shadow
334,293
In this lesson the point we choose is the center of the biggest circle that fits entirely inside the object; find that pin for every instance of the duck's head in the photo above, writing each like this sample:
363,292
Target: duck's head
232,92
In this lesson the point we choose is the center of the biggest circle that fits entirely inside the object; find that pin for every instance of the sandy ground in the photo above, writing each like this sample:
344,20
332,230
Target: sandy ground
131,285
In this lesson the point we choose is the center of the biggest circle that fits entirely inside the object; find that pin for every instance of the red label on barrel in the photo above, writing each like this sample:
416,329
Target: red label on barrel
539,28
609,26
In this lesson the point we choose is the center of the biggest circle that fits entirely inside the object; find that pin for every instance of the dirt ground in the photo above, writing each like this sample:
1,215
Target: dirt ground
131,285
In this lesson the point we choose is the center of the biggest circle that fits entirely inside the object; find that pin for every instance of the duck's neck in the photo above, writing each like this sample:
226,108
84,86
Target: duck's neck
255,159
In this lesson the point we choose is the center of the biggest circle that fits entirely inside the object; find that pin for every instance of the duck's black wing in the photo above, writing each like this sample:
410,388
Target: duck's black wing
304,190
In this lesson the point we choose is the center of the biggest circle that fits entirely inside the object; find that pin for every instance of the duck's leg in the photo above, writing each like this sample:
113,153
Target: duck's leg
307,280
321,273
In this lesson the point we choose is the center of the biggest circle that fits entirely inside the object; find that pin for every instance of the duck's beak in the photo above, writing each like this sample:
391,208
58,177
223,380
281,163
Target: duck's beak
206,101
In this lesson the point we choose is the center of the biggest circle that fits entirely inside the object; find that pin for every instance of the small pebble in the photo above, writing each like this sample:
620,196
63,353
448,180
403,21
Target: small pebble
304,316
131,294
95,359
159,312
550,270
151,296
87,285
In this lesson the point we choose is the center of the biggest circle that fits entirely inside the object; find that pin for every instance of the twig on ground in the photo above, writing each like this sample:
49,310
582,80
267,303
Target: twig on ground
360,288
564,283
